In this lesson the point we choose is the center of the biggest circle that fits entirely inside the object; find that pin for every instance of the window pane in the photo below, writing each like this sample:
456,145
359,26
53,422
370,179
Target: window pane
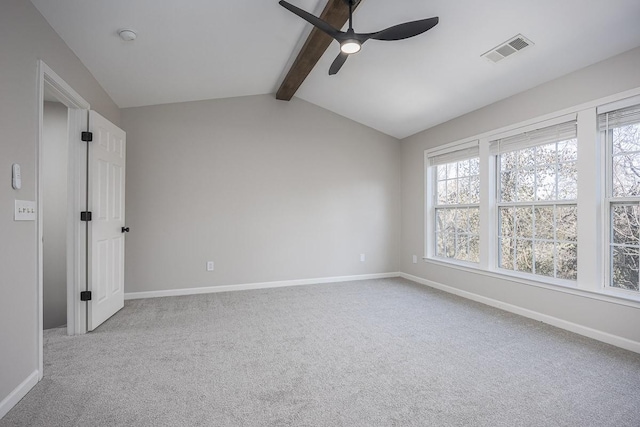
568,150
567,263
526,157
507,161
441,172
461,221
545,222
450,245
464,191
452,191
626,227
524,256
545,258
462,247
474,189
567,181
442,192
507,250
546,154
508,186
525,185
474,249
452,170
524,222
626,175
474,166
625,261
445,219
626,138
463,168
507,222
567,223
546,182
474,221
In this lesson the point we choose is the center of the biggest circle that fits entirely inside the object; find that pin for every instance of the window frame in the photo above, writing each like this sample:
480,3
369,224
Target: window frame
456,206
534,203
593,265
609,200
431,205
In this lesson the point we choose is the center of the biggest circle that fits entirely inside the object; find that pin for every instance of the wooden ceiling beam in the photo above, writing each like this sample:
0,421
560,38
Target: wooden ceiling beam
336,13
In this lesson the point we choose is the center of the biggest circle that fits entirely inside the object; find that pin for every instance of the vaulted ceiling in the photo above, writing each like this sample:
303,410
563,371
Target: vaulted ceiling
202,49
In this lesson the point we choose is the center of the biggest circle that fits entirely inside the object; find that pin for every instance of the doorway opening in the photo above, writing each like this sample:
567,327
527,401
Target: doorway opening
55,201
93,255
61,238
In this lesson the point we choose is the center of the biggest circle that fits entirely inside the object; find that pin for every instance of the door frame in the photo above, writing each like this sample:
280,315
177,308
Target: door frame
77,119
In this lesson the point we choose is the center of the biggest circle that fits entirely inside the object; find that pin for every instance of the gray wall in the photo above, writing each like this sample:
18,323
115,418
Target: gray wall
26,37
55,156
268,190
614,75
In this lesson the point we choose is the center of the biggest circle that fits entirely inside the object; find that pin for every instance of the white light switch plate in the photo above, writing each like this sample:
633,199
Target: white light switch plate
25,211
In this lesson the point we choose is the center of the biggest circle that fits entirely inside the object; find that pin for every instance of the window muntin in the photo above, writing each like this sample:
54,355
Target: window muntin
537,202
621,131
457,210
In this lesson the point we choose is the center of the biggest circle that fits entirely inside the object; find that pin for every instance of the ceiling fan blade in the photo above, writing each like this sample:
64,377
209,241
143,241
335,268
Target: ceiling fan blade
338,63
406,30
313,20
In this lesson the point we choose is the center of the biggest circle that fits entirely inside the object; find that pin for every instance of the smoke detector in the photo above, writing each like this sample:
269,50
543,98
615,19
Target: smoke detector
508,48
127,35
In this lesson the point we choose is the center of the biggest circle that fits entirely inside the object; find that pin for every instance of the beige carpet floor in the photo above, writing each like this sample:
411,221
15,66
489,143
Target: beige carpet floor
383,352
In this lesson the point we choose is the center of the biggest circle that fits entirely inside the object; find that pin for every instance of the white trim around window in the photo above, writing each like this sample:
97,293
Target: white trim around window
453,218
593,204
619,131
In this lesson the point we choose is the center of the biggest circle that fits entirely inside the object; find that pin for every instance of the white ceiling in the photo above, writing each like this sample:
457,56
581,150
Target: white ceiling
205,49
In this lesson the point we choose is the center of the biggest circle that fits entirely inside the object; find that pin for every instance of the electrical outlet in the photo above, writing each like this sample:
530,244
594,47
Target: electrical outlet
210,266
415,259
362,257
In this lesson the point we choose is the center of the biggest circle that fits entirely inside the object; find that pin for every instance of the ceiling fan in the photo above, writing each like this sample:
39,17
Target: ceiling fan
351,42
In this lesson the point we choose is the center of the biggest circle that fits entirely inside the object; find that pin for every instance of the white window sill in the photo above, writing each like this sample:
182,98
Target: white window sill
616,296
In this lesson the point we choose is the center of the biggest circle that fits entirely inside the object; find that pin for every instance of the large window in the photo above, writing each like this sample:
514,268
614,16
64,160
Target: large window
537,202
620,130
549,202
456,209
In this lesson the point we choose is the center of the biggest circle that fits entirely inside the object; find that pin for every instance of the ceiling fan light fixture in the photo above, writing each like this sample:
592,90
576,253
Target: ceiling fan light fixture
350,46
350,41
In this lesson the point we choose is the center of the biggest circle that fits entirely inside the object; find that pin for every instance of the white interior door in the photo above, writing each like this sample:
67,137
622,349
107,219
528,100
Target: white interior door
107,155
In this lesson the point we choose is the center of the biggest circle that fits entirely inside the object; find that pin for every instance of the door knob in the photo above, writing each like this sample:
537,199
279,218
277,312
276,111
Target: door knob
125,229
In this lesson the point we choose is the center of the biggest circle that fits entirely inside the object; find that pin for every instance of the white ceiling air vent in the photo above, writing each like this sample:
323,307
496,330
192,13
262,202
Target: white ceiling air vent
507,48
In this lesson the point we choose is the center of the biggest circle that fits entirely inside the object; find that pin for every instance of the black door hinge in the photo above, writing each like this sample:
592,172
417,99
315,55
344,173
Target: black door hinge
85,216
87,136
85,296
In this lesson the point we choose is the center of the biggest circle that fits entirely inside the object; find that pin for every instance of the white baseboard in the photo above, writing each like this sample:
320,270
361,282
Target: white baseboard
554,321
248,286
18,393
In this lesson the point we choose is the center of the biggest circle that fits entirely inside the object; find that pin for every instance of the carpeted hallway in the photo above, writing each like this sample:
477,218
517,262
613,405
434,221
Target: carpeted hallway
372,353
